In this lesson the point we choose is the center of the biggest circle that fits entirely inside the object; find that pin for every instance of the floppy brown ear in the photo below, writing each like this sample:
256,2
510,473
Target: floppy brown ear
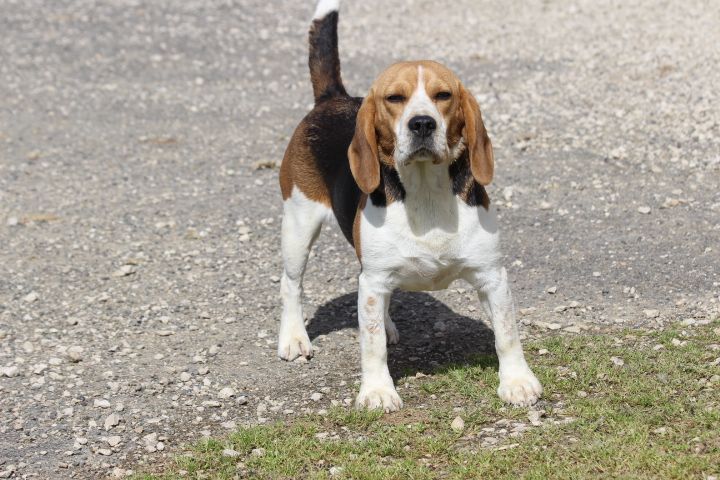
363,151
482,162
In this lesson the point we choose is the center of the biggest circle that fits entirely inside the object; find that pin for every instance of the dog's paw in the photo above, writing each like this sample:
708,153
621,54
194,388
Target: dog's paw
521,389
379,397
293,345
393,336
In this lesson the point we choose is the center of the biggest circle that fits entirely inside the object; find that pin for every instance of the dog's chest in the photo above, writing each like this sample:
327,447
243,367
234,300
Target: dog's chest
424,247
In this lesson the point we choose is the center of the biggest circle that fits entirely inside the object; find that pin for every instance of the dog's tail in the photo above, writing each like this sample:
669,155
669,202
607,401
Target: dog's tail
324,61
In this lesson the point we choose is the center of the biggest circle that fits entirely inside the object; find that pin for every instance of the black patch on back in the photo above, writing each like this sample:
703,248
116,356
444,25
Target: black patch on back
330,129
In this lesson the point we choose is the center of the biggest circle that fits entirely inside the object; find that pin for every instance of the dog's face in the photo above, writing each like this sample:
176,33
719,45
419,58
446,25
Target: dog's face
418,112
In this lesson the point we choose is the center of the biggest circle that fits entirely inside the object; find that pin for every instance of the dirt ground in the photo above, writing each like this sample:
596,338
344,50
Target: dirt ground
139,225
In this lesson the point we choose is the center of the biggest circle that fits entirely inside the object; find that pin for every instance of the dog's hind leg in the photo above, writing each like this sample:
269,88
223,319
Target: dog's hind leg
302,220
391,331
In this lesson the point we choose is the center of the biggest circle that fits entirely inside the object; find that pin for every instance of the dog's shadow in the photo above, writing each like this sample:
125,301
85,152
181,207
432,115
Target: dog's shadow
432,336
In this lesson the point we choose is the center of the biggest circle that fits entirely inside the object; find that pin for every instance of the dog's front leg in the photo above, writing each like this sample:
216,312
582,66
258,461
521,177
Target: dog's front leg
376,388
518,384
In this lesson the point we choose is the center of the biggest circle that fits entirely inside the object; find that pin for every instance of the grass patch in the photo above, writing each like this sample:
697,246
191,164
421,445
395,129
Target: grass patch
652,411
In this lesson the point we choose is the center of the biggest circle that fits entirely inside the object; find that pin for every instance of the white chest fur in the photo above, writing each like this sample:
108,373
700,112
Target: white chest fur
431,238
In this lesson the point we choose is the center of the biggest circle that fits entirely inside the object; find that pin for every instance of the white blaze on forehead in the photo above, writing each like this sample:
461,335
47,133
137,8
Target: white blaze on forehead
420,103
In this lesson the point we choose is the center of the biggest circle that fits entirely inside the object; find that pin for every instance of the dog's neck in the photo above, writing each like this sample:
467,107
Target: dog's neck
429,200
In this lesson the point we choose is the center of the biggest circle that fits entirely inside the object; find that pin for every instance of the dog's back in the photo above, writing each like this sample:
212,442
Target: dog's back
316,161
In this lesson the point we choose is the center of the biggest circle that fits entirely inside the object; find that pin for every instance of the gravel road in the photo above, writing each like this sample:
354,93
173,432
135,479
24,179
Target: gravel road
140,211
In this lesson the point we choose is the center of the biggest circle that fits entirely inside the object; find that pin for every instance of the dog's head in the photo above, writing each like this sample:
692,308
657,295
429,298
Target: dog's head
418,112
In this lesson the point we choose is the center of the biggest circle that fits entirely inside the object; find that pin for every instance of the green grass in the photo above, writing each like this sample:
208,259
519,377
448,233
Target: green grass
657,416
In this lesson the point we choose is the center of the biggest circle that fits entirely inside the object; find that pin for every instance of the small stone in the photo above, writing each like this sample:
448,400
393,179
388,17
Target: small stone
101,403
596,274
124,271
258,452
104,451
275,279
230,425
572,329
185,376
651,313
75,353
203,370
111,420
12,221
229,452
316,397
660,430
552,290
543,351
165,333
335,471
617,361
31,297
9,372
582,394
644,210
226,392
534,417
150,441
114,440
211,403
458,424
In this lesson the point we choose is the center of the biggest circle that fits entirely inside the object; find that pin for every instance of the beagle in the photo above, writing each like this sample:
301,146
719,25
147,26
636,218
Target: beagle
403,172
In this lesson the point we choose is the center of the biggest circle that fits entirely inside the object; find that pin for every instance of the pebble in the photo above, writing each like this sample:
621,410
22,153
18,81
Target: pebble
534,417
111,420
12,221
229,452
75,353
124,271
31,297
543,351
114,440
258,452
335,471
150,441
644,210
458,424
226,392
316,397
9,372
185,376
552,290
651,313
101,403
617,361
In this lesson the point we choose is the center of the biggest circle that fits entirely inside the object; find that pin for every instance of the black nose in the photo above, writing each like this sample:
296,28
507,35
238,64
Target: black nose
422,125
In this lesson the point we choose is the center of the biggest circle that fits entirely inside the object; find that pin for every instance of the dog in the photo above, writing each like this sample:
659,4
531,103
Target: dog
403,172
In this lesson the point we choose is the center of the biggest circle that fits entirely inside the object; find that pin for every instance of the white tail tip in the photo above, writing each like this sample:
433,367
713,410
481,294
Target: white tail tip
324,7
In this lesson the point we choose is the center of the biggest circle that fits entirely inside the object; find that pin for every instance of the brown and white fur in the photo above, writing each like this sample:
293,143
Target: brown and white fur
402,171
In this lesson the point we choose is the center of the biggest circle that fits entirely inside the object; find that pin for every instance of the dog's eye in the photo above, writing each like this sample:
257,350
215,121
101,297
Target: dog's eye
443,96
395,98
